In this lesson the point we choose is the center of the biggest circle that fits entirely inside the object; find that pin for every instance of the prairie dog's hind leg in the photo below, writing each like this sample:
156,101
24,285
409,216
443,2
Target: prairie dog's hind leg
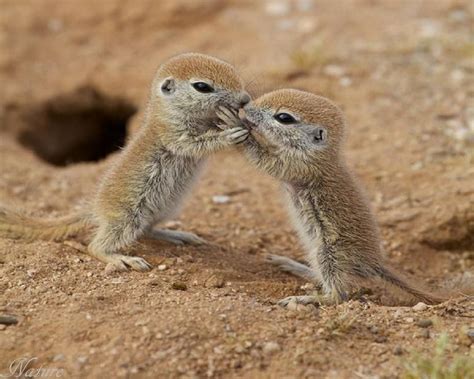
176,237
293,267
105,245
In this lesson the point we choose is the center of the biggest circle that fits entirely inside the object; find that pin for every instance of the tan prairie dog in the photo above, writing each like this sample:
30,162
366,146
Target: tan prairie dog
151,176
297,138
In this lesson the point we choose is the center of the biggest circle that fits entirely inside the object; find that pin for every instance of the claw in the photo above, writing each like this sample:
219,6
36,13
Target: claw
230,117
304,300
125,262
237,134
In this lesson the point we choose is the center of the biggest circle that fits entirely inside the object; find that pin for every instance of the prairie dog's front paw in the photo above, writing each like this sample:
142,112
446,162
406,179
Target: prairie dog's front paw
229,117
236,135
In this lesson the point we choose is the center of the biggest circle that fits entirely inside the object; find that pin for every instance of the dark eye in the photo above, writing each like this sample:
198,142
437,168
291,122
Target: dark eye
202,87
285,118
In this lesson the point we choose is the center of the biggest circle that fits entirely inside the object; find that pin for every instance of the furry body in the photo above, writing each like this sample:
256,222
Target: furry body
296,137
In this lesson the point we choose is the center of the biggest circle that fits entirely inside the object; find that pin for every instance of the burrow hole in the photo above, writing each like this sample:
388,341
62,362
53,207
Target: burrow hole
80,126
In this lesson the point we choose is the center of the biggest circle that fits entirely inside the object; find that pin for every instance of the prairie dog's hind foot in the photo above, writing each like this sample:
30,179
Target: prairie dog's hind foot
293,267
316,299
303,300
123,262
177,237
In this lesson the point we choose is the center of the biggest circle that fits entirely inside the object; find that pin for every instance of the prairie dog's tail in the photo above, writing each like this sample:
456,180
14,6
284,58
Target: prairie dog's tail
396,280
16,225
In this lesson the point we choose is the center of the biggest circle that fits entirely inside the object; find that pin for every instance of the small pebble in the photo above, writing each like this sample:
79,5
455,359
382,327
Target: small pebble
31,273
270,348
8,320
82,360
180,286
162,267
470,334
277,8
220,199
334,70
373,329
424,323
398,350
58,357
345,81
420,307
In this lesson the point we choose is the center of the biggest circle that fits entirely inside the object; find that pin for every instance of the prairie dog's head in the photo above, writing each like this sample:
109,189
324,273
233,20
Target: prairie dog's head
189,88
299,121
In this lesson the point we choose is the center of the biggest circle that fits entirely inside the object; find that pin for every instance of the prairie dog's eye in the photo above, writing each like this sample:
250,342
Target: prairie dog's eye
202,87
285,118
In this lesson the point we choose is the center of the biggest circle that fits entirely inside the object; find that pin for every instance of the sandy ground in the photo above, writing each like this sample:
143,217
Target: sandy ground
403,73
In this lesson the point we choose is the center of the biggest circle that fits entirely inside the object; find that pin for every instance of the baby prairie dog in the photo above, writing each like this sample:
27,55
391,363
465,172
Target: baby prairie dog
297,137
151,176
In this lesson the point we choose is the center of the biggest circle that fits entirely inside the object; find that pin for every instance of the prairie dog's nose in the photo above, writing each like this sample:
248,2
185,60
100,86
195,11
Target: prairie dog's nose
244,99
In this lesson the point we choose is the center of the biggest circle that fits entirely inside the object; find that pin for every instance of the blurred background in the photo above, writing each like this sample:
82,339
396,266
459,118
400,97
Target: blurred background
396,55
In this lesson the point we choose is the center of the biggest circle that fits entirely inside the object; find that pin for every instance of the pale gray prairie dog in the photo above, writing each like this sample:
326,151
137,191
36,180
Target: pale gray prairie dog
148,181
296,137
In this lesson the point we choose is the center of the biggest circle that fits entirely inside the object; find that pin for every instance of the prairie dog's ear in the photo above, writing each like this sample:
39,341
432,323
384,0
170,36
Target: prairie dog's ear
319,135
167,86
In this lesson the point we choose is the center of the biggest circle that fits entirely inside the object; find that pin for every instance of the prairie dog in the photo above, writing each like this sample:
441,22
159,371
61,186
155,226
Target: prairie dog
151,176
296,137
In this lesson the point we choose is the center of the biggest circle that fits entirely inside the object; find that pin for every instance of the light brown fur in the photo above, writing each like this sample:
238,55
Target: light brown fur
329,209
147,183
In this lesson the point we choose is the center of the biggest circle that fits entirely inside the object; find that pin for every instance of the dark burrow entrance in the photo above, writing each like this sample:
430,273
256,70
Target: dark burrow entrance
83,125
456,234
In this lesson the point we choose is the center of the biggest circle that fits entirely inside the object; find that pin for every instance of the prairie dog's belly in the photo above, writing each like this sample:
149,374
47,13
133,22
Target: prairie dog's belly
148,190
171,178
305,221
